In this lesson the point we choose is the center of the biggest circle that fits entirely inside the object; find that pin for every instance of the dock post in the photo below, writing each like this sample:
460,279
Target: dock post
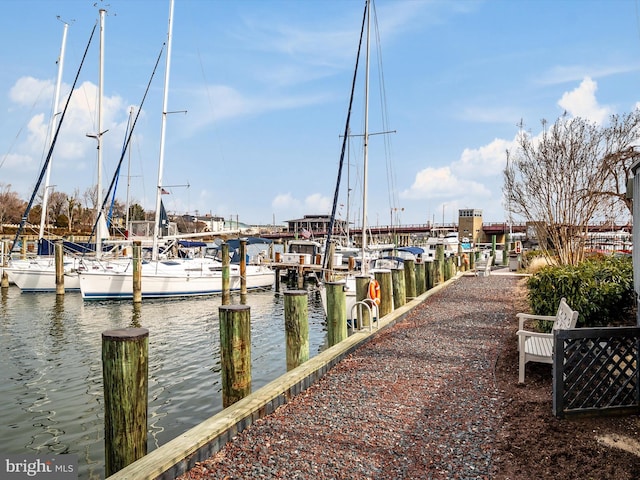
410,279
439,264
4,281
23,248
300,276
243,271
362,292
447,268
420,278
296,324
125,368
336,312
58,254
399,289
430,275
226,284
137,271
472,260
235,352
386,292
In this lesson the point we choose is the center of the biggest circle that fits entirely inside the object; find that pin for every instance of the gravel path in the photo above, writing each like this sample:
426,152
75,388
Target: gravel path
419,400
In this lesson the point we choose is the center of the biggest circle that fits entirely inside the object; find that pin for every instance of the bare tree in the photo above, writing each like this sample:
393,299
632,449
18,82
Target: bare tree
11,206
552,181
620,137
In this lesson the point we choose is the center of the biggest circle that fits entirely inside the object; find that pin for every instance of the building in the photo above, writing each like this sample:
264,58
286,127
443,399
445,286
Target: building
315,225
470,225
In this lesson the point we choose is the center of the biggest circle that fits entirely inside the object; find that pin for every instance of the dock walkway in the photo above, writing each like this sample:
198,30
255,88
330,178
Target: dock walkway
417,401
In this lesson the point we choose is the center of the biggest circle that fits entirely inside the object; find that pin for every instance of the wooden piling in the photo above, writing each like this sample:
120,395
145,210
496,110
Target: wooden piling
430,275
439,264
399,290
421,285
137,271
125,366
58,258
296,324
235,352
226,282
4,280
362,292
410,279
243,271
336,312
386,292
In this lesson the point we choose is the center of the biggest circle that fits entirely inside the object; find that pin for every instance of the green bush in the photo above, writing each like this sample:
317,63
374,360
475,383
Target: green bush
600,289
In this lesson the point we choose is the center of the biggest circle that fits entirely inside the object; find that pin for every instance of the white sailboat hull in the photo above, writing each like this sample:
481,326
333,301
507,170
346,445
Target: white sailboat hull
163,283
40,276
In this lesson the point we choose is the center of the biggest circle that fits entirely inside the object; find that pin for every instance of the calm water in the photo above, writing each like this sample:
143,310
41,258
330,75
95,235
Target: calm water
51,398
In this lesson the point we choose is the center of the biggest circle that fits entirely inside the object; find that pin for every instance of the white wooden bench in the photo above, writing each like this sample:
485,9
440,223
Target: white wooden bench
484,270
537,346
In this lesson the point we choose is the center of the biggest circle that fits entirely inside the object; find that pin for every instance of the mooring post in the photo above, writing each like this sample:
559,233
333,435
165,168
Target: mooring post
4,281
439,264
430,274
137,271
125,368
296,324
226,284
399,289
410,279
362,292
386,292
336,312
235,352
420,278
243,271
23,248
58,256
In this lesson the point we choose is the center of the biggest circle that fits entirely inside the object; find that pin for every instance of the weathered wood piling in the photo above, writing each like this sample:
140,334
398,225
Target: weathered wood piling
296,323
125,369
235,352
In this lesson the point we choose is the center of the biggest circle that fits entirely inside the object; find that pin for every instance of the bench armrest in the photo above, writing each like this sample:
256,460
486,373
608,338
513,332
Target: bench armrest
523,317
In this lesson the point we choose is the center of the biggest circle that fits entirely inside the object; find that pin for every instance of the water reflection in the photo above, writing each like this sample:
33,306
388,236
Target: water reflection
51,398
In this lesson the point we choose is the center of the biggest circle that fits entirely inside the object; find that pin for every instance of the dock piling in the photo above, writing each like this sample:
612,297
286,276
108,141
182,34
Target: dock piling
386,292
125,368
226,283
137,271
336,312
296,323
235,352
58,253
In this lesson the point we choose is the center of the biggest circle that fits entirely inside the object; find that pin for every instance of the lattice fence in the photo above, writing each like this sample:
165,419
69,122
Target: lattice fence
595,371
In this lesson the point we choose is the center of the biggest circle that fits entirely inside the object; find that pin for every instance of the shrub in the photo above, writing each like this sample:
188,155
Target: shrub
599,288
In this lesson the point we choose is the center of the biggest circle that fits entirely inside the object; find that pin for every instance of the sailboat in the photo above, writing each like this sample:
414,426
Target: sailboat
367,255
162,275
37,274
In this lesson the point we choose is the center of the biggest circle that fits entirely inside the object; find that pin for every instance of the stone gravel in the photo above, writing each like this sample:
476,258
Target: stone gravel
419,401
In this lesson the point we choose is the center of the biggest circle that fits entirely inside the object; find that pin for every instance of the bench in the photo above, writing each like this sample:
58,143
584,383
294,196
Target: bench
484,270
537,346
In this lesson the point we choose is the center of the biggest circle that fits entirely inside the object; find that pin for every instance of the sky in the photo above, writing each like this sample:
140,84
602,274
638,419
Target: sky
259,90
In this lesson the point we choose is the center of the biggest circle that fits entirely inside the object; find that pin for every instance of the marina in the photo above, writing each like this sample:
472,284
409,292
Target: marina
51,369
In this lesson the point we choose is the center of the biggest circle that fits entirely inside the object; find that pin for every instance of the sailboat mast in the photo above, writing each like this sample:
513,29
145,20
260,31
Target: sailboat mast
364,264
56,100
156,227
100,132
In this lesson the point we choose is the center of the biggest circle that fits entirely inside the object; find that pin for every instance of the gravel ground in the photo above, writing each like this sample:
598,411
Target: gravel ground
420,400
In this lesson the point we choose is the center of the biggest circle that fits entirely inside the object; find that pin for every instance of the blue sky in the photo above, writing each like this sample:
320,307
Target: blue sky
266,85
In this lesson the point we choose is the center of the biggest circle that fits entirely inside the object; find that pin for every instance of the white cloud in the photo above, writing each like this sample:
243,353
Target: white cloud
317,203
486,161
28,90
582,102
434,183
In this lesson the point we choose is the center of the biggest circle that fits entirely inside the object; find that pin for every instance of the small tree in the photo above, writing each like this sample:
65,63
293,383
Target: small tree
552,181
